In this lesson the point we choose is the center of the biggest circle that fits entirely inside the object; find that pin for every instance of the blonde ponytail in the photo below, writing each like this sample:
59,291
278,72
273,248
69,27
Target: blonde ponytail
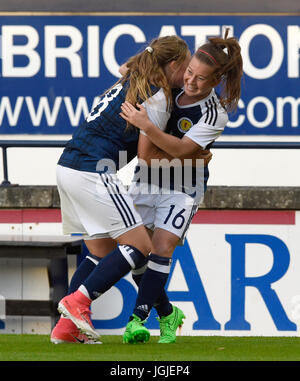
147,68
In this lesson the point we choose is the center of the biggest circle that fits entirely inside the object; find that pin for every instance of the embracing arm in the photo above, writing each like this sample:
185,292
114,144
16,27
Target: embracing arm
173,145
148,151
123,69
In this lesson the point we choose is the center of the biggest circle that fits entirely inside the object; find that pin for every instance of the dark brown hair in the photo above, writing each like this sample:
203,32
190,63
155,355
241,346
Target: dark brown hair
228,67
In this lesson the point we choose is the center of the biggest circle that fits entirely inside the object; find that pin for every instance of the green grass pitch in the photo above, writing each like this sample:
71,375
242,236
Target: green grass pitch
14,347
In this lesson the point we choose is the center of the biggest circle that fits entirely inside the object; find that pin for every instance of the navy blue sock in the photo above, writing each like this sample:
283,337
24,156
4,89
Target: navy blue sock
152,284
86,266
162,304
138,272
111,269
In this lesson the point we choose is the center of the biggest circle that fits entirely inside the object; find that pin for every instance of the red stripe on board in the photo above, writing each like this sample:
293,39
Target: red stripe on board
259,217
19,216
11,216
41,215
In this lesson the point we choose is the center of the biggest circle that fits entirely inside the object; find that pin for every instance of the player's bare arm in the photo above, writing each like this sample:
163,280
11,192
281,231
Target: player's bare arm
147,151
123,69
171,144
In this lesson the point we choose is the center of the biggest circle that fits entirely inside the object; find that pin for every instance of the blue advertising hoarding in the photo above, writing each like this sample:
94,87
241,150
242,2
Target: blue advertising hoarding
53,68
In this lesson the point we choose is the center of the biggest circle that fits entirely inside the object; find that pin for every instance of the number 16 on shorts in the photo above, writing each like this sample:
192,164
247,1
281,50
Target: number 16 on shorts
177,219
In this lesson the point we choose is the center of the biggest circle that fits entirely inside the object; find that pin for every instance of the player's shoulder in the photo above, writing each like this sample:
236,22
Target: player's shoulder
214,114
157,99
157,93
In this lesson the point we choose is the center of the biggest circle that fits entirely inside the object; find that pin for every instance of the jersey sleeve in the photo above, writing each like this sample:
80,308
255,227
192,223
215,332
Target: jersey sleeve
156,107
204,133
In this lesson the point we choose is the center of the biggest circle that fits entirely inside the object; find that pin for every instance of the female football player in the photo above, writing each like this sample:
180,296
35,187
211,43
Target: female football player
198,118
94,202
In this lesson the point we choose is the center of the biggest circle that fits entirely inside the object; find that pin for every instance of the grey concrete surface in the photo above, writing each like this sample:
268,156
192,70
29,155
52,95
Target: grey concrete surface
216,197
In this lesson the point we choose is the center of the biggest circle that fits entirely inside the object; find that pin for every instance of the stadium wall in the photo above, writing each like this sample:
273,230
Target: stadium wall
237,273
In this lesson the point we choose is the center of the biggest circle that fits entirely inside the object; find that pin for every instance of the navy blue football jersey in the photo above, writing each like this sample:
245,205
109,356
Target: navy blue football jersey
96,144
102,135
202,122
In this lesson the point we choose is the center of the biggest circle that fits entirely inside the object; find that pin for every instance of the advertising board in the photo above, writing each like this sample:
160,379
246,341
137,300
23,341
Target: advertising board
54,68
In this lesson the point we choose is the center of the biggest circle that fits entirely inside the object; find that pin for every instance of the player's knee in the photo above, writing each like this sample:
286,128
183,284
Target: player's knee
164,249
137,238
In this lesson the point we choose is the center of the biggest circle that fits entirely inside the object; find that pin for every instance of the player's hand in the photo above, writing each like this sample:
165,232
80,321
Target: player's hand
138,116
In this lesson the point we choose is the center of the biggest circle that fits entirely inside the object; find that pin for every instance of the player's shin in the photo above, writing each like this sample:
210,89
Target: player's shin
152,284
162,304
85,268
112,268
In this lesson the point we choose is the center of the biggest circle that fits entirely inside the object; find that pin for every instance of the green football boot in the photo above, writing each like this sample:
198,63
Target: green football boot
136,332
168,326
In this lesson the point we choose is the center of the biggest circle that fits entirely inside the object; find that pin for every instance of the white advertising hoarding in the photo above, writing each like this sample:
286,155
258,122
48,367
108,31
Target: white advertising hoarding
237,274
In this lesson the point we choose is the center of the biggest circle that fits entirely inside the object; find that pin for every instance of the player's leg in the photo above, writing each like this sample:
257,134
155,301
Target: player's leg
65,331
98,248
144,203
180,210
170,316
173,216
173,219
157,272
134,245
151,287
74,222
162,304
107,272
138,272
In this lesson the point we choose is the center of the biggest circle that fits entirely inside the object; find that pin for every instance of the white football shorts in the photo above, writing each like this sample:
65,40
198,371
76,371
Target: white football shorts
94,205
172,212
